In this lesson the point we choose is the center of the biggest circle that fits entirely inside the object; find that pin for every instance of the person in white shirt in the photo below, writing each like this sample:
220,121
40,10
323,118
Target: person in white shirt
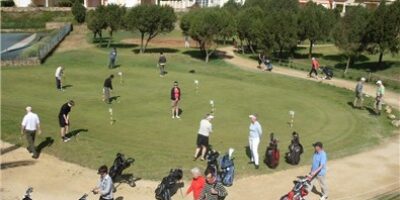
29,126
202,137
59,74
105,186
254,139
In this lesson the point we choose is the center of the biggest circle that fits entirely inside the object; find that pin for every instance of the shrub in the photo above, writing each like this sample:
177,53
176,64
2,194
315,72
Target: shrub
7,3
64,3
79,11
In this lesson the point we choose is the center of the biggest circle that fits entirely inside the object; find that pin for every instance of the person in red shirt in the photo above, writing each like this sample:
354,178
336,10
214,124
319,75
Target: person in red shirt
175,97
197,184
314,67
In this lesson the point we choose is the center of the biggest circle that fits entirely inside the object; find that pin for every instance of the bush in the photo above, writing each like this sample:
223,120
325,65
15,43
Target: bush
7,3
79,11
37,20
64,3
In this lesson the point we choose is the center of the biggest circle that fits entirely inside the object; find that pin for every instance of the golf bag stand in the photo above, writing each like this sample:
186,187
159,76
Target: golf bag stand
119,165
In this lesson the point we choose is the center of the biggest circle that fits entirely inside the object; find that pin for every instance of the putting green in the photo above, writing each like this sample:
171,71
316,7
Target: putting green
144,128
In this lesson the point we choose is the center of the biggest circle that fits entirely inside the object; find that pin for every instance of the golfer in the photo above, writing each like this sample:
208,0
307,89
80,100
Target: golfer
380,92
105,187
261,59
175,97
162,61
113,57
254,139
63,119
358,101
202,137
197,184
213,190
59,73
318,169
107,88
314,67
29,126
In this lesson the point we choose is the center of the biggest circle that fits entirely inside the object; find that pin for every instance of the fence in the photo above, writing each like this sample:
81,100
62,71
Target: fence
38,51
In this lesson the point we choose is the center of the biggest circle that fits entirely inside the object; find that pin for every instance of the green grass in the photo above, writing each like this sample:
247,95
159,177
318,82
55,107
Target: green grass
144,128
33,20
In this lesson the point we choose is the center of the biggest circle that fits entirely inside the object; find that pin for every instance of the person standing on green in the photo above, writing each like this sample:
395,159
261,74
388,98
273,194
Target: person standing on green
162,61
113,57
358,101
29,126
380,92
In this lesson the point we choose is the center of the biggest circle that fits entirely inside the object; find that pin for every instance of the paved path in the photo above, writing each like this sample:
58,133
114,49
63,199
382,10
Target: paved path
391,98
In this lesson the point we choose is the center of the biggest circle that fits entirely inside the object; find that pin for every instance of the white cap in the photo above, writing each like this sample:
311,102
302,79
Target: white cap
28,109
312,58
210,117
362,79
252,117
379,82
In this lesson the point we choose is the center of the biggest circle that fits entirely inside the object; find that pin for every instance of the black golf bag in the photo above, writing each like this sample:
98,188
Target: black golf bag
272,155
328,72
227,173
119,165
212,160
169,185
27,195
295,150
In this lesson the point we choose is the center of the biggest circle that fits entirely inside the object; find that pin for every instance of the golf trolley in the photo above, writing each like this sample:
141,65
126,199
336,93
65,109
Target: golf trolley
119,165
27,195
300,189
84,197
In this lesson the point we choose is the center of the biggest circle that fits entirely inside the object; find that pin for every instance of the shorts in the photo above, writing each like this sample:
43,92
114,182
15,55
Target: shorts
202,140
174,103
359,95
61,121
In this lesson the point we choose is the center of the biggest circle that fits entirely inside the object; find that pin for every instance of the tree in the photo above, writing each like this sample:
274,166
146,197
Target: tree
382,32
204,26
232,7
315,23
349,33
249,26
79,11
95,22
150,20
113,17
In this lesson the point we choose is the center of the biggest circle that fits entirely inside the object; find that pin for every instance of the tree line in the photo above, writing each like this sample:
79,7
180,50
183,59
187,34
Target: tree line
275,27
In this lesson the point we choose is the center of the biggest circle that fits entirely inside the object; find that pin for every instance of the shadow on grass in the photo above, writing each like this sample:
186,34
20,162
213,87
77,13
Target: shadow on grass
9,149
248,151
305,56
350,104
126,178
370,110
46,143
21,163
115,66
66,86
119,45
369,66
156,50
114,98
76,132
197,54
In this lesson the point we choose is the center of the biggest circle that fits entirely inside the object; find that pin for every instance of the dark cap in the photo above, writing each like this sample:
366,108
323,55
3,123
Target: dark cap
175,82
318,144
102,169
71,102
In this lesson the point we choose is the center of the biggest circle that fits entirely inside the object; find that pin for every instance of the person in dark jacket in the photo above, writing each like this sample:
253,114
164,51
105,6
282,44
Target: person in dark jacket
162,61
107,87
175,97
63,119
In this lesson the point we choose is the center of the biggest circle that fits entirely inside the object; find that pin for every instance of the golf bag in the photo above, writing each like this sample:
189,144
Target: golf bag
212,160
169,185
272,153
295,150
268,65
84,197
27,195
119,165
328,72
227,170
299,190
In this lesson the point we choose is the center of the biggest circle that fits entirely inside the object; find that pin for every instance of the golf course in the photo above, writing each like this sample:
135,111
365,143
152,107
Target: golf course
143,127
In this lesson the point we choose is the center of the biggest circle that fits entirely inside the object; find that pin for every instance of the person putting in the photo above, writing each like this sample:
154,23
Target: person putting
314,67
63,118
162,61
29,126
59,74
358,101
380,92
254,139
202,137
107,88
175,97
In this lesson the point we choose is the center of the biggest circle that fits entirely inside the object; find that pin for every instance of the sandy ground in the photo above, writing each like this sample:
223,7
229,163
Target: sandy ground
391,98
75,40
360,176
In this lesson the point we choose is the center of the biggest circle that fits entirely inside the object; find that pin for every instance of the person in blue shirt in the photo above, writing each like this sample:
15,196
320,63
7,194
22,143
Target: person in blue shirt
318,169
105,187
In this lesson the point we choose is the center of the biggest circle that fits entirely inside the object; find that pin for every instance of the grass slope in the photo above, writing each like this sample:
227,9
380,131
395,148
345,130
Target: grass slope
144,128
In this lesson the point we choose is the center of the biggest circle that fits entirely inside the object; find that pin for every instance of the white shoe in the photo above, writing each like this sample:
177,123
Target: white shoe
173,117
178,117
324,197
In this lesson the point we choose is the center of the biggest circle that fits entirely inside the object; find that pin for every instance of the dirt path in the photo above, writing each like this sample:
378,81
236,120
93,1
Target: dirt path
360,176
391,98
